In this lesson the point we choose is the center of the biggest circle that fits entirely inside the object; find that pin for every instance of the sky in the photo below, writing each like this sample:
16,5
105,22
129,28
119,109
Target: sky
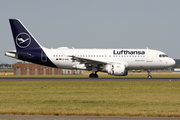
99,24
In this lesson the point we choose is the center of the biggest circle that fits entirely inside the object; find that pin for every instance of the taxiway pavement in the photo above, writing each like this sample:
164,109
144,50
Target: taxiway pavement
87,79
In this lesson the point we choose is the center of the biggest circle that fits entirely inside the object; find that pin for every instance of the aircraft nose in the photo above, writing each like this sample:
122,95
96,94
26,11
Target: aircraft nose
172,62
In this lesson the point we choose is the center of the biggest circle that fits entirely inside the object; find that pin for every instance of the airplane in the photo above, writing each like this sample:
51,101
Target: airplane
115,62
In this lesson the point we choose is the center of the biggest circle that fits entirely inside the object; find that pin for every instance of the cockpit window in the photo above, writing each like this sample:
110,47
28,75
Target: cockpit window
163,55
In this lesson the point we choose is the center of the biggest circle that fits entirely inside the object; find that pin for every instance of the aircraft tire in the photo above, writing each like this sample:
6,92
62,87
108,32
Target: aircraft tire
93,75
149,76
96,75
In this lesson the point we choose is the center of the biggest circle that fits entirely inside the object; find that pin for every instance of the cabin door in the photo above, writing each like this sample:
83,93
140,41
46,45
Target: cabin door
150,56
43,57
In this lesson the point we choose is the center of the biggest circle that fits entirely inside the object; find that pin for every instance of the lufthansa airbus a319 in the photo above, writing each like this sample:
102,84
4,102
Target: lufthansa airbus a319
112,61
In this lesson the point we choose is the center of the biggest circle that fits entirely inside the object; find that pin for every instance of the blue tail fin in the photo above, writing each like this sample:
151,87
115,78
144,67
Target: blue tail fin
22,37
27,48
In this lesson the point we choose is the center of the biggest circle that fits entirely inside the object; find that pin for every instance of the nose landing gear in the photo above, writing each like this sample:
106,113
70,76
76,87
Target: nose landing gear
149,74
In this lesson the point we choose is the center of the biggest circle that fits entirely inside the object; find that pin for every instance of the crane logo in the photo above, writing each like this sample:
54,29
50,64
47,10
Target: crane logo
23,40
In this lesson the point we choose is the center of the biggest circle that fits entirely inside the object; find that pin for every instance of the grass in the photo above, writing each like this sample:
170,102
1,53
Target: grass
115,98
6,71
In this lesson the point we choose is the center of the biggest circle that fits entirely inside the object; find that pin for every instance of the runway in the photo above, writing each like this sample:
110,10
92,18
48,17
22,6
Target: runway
88,79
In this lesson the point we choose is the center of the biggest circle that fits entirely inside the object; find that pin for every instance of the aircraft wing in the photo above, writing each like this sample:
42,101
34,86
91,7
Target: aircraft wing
96,62
88,61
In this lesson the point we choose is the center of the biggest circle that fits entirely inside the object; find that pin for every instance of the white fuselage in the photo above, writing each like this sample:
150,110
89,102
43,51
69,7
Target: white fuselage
149,59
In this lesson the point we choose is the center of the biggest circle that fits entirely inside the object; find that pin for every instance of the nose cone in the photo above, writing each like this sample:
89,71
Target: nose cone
172,62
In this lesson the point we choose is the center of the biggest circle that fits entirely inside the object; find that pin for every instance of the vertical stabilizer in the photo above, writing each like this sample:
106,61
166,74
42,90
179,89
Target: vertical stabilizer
22,37
27,47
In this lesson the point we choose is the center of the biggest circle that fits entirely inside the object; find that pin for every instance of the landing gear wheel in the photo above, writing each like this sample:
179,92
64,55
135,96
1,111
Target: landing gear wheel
149,76
92,75
96,75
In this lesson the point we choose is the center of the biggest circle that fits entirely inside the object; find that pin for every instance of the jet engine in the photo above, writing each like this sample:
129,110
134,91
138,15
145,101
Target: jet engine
116,69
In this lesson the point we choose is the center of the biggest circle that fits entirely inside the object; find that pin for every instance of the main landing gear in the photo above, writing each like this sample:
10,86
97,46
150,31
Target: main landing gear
149,74
92,75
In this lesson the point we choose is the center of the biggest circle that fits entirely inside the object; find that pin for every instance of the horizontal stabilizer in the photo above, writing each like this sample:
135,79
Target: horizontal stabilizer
16,54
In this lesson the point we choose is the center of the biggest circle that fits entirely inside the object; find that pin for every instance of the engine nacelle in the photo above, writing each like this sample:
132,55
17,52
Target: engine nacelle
116,69
80,66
